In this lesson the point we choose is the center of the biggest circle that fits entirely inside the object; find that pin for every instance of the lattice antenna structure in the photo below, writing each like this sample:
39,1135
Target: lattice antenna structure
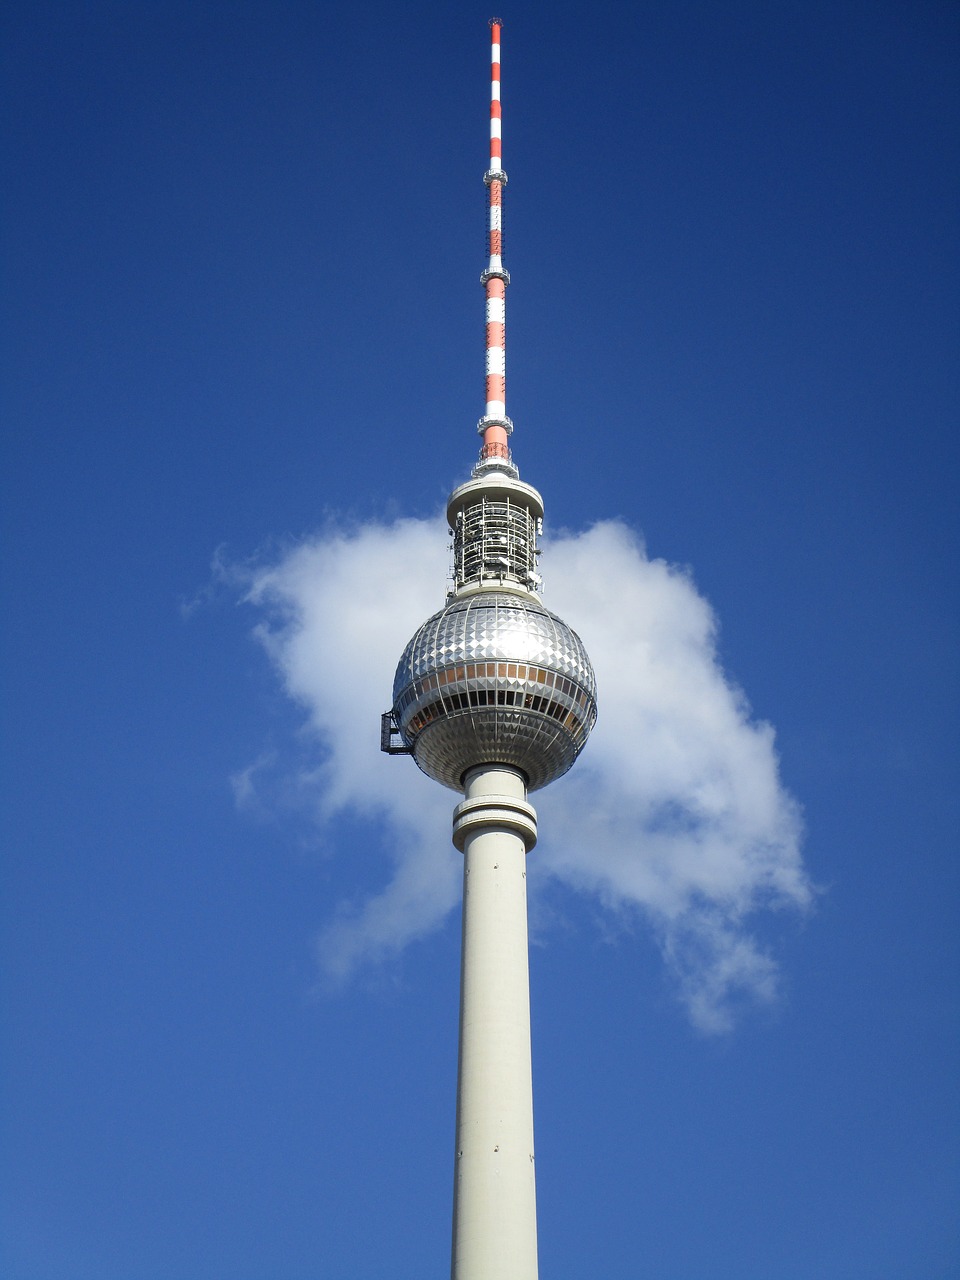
494,696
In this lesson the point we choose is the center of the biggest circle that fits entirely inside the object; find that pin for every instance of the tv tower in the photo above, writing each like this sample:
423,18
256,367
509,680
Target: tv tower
494,697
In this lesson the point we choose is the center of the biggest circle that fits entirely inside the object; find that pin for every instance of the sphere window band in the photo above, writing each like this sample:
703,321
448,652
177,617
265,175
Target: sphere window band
487,671
493,671
501,698
534,689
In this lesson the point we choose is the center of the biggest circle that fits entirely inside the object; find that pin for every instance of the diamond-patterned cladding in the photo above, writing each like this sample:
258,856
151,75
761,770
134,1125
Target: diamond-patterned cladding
495,678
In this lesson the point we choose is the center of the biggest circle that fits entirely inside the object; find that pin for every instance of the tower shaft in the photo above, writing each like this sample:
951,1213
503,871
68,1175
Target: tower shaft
493,696
494,1205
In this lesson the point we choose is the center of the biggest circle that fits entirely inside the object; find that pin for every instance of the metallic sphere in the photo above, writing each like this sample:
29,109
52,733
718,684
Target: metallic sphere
495,678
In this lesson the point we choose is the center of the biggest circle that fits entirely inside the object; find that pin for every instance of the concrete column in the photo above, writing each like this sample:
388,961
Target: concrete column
494,1198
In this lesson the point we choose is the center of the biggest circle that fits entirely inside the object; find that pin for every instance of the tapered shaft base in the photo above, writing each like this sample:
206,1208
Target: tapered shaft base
494,1205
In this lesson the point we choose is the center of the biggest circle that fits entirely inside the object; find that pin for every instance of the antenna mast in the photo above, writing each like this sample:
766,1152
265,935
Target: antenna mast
495,427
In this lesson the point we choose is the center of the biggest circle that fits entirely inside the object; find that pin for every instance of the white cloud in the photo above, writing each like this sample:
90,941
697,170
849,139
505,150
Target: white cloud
674,813
336,612
243,782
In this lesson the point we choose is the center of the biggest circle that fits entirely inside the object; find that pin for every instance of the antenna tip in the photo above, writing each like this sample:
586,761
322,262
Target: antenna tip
496,22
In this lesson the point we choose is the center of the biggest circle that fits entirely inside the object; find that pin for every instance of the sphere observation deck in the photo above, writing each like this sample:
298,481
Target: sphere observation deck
494,678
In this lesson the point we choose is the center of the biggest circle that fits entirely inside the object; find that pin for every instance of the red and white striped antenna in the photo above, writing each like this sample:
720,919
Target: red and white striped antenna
495,427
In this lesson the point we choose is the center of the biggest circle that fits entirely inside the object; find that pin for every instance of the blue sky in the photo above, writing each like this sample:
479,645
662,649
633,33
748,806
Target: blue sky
242,335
